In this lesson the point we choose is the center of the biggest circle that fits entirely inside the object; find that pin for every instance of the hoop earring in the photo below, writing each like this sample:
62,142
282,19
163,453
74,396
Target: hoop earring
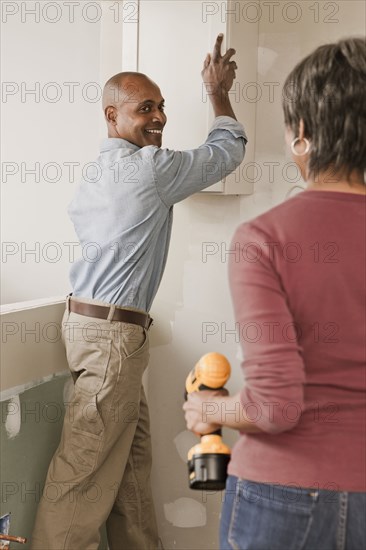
295,141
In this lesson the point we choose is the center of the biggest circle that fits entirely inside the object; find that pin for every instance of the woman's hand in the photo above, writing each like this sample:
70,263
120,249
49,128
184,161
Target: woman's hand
207,411
202,411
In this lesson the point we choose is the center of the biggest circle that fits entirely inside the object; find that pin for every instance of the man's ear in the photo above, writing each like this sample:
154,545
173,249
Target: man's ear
110,114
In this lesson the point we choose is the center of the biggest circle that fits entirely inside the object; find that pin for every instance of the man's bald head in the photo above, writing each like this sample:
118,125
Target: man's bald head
134,109
122,87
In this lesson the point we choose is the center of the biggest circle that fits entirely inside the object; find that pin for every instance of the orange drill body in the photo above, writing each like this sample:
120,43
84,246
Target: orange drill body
212,371
208,460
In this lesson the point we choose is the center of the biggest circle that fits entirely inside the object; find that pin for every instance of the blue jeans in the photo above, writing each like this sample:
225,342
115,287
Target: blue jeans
260,516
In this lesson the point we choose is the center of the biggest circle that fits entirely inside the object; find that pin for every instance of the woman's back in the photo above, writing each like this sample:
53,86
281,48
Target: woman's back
301,275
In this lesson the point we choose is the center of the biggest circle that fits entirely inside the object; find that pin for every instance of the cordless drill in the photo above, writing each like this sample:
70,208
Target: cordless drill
208,460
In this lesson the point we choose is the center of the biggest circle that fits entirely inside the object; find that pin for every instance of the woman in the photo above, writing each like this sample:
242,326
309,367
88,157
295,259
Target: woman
297,473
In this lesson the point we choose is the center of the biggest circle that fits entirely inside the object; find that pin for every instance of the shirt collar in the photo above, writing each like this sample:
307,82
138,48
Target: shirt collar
108,144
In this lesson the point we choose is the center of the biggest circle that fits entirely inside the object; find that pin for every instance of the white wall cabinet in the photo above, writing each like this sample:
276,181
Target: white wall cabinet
168,40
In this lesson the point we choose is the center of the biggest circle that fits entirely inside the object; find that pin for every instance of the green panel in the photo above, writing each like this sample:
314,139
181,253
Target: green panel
25,458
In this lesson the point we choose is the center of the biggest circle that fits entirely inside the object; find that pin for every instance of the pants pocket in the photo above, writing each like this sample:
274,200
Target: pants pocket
88,362
81,440
135,340
264,519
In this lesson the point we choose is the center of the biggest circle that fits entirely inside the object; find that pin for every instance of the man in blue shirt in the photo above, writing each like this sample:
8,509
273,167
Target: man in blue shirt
123,219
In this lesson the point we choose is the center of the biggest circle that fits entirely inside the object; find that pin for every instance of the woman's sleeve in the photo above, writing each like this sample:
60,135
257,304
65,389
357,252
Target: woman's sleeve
273,393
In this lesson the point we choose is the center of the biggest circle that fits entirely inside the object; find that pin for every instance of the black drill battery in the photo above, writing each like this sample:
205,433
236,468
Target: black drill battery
208,471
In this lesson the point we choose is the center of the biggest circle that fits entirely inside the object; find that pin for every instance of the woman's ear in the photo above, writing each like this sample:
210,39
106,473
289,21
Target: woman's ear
301,129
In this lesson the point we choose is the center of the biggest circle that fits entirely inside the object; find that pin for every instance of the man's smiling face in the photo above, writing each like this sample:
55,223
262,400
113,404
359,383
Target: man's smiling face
138,112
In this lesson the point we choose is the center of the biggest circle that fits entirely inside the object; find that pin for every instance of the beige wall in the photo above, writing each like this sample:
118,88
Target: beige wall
44,131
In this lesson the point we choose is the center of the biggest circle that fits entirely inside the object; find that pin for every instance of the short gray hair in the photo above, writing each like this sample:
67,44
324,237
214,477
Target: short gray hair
327,90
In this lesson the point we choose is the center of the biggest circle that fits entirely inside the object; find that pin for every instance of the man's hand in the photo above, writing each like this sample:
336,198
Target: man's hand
218,71
218,76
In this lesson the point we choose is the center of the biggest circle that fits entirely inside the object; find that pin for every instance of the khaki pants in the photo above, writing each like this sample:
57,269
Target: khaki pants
101,469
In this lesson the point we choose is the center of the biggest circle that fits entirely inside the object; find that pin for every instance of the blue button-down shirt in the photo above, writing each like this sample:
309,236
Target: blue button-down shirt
123,211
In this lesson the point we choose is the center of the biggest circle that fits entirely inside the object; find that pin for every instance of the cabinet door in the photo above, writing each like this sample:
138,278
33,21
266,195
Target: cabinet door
174,38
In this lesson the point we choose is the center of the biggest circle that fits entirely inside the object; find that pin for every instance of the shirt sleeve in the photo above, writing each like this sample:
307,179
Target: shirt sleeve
179,174
273,367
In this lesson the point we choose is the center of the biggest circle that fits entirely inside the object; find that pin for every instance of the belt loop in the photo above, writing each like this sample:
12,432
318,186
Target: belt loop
112,309
68,302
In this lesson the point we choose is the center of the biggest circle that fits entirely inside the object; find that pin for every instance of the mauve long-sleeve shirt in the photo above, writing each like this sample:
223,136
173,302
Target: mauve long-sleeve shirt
298,287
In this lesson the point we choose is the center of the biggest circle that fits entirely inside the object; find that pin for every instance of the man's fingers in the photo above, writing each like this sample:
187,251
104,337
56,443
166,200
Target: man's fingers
207,60
217,48
228,54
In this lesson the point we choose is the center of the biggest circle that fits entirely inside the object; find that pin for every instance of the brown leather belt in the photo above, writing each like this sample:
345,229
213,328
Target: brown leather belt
102,312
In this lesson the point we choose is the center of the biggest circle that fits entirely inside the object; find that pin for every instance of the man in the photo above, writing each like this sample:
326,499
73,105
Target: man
101,469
